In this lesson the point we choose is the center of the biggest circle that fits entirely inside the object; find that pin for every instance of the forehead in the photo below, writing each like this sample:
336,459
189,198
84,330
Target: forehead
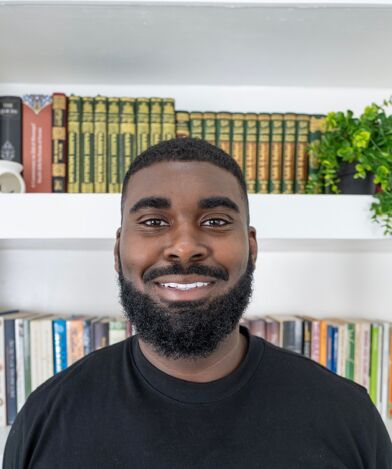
184,181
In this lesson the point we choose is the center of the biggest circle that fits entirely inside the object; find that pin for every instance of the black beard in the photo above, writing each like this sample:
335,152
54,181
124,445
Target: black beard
191,329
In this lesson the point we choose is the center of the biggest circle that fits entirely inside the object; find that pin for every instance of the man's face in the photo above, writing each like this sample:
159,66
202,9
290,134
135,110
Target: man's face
185,256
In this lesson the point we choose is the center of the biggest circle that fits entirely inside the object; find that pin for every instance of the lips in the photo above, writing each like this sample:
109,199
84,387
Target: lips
183,288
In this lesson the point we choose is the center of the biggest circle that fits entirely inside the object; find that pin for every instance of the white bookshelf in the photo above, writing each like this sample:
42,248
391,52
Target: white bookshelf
319,255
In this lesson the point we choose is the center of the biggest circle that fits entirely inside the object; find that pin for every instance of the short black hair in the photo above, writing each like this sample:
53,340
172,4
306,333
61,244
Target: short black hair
186,149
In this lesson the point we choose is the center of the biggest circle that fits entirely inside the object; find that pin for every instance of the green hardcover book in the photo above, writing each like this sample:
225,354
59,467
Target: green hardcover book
276,153
288,157
237,147
196,124
250,153
301,153
59,127
374,352
114,183
100,145
350,357
74,118
182,124
209,127
87,146
316,129
169,119
223,131
127,147
263,153
142,124
156,112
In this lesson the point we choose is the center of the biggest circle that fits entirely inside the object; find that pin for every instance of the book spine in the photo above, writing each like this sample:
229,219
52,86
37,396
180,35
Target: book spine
156,114
358,347
250,154
329,346
323,342
117,331
315,341
350,358
238,140
20,371
366,356
87,337
275,186
301,157
11,129
169,119
196,124
379,368
47,360
335,349
263,153
374,351
59,142
114,183
273,332
87,146
223,131
292,336
3,395
142,124
257,327
59,345
307,338
75,346
317,125
342,350
288,153
209,127
10,370
73,160
100,144
384,371
128,144
37,143
101,335
27,357
182,124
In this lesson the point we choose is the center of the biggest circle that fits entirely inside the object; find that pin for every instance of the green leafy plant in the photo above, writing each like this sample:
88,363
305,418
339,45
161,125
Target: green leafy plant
365,141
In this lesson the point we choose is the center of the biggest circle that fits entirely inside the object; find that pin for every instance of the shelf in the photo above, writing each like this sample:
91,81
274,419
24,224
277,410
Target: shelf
292,222
211,43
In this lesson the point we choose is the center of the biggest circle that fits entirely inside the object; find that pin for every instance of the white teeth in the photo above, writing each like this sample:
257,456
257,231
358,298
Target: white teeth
184,286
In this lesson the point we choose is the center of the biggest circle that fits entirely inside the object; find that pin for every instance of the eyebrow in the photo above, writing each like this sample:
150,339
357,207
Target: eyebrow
164,203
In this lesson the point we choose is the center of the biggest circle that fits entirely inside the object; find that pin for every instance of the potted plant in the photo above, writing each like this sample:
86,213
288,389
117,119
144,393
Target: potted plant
357,148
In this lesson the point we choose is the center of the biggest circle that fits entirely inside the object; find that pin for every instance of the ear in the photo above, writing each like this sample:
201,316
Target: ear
117,251
253,248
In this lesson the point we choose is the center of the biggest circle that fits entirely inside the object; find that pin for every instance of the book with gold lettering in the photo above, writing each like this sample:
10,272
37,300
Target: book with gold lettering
250,154
156,111
169,119
127,143
223,131
182,124
263,153
196,124
74,124
87,146
114,183
301,158
276,153
59,142
209,127
238,139
142,124
288,156
100,144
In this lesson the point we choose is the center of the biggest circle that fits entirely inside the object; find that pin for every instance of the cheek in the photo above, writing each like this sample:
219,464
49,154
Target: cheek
135,258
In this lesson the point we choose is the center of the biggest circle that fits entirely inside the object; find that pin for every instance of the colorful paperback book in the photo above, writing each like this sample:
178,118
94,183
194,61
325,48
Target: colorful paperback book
75,336
59,345
374,362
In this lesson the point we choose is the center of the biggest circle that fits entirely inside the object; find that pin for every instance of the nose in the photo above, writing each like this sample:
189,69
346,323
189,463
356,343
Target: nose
185,246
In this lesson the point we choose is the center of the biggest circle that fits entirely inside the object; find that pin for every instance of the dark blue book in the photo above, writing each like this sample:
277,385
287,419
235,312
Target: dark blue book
335,348
59,345
87,336
329,346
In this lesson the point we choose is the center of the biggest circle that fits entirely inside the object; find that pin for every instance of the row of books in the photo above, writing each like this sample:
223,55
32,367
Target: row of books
84,144
34,347
357,349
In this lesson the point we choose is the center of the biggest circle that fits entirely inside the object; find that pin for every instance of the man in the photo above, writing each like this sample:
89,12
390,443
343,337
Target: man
193,390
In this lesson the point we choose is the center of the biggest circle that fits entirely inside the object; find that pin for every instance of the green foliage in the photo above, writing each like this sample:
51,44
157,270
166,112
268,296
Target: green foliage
366,141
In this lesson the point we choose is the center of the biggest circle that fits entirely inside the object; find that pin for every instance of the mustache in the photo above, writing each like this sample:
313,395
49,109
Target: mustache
177,269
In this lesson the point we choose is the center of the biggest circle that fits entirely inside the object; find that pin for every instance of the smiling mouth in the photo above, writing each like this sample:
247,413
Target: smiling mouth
184,286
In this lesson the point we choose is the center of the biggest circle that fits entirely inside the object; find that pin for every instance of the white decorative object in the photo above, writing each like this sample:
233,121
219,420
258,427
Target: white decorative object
10,179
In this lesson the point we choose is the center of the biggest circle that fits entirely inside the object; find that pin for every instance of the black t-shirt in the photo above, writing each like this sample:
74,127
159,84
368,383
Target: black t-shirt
277,410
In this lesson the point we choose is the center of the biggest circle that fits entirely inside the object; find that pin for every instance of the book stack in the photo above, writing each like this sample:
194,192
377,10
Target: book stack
34,347
271,149
357,349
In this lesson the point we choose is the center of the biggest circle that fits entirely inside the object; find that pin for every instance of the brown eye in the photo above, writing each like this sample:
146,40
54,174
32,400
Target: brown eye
216,222
154,222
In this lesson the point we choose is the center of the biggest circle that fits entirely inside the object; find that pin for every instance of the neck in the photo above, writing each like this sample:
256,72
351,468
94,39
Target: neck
223,361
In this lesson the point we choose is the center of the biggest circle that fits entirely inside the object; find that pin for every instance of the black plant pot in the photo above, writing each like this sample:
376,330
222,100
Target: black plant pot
349,185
